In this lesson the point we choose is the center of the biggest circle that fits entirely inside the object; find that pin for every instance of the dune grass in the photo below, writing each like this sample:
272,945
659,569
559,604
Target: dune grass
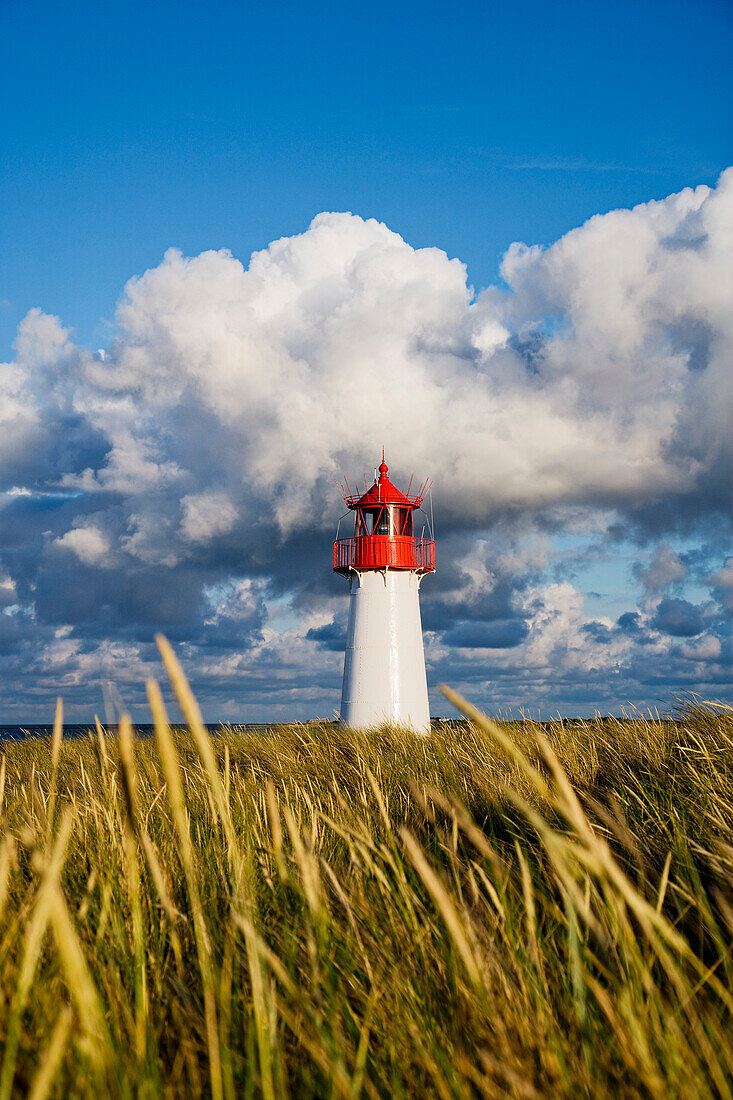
495,910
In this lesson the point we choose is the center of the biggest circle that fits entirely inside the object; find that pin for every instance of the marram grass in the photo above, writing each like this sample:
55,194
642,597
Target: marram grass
495,910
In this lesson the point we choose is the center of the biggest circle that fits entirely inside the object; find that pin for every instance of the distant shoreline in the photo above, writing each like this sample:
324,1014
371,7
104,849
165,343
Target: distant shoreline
81,729
77,730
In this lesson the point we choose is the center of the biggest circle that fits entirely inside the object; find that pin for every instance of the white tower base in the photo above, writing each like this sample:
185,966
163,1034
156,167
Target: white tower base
384,667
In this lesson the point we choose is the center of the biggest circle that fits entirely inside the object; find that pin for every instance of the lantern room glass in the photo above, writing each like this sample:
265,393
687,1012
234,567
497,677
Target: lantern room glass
387,521
402,518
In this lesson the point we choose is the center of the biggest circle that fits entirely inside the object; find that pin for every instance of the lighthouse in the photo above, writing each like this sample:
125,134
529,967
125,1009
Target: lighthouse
384,561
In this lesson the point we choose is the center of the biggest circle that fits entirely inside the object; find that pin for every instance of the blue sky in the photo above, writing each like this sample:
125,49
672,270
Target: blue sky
129,129
570,402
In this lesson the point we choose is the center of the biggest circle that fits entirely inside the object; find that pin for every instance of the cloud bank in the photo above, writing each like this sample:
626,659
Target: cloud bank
183,478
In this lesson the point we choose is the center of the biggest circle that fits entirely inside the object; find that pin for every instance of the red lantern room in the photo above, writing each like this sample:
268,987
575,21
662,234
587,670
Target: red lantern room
384,530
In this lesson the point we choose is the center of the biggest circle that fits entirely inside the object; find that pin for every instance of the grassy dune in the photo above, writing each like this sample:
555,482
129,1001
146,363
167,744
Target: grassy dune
492,911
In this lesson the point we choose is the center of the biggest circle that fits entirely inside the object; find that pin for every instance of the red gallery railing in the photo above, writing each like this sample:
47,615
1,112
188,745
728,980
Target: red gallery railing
384,552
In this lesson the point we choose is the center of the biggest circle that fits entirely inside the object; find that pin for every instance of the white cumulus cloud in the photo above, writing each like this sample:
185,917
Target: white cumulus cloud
88,543
265,381
206,515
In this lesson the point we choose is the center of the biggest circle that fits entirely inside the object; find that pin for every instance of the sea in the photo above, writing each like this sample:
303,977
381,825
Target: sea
22,733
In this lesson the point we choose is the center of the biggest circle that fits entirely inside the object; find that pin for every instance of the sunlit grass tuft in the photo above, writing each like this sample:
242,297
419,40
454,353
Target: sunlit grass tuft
497,910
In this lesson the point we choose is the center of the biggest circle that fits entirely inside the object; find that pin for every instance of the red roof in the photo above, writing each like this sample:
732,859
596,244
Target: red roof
384,492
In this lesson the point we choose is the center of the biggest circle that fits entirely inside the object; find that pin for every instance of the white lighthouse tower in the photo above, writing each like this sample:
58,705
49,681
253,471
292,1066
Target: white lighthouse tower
384,666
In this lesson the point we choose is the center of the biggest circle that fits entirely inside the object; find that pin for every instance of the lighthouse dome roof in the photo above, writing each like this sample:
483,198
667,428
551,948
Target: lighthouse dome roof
384,492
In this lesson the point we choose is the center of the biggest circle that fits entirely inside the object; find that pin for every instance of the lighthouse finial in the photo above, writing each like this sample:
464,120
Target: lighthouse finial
384,467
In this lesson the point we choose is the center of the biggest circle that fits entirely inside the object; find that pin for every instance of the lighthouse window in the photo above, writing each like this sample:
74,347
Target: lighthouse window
367,522
402,521
382,527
